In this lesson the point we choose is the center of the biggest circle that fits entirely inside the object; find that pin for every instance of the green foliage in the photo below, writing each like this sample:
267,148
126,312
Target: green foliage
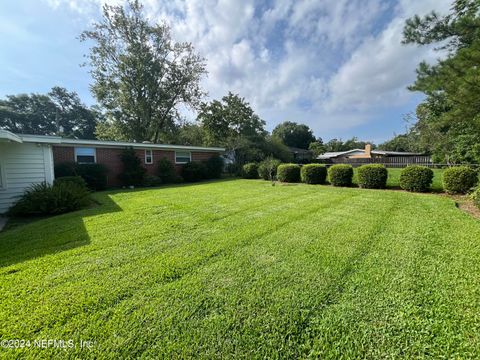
313,174
152,180
353,143
273,147
459,180
59,112
402,143
448,124
289,173
77,180
44,199
194,171
340,175
166,171
95,175
416,178
317,147
293,134
475,196
267,169
250,171
133,172
215,166
141,76
372,176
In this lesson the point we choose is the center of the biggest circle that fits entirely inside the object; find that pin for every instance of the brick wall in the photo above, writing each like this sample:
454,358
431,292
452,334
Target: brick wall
110,157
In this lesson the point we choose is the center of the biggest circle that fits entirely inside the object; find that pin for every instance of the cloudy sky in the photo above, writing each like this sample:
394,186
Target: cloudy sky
336,65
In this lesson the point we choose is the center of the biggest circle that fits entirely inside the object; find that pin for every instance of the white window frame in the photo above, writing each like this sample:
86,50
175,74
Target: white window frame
183,162
151,156
94,155
3,177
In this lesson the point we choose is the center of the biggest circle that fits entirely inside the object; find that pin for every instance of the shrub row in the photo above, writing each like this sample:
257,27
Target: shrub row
197,171
95,175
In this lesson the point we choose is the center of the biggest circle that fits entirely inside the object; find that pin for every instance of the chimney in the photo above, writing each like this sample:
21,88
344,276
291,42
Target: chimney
368,150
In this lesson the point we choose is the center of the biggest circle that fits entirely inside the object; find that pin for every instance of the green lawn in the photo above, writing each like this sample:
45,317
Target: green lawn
243,269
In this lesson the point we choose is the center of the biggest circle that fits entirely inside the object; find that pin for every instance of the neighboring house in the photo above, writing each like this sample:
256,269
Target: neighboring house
367,153
30,159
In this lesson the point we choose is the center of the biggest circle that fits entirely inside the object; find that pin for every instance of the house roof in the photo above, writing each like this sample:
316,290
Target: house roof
394,153
57,140
334,154
299,150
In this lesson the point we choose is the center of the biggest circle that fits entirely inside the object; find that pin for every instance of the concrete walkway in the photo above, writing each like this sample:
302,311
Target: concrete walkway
3,221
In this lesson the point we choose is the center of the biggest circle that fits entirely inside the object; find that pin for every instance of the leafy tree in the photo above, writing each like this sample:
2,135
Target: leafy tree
400,142
353,143
448,121
59,112
293,134
141,76
317,147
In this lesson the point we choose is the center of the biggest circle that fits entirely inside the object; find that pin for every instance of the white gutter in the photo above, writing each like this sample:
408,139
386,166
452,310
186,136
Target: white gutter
9,136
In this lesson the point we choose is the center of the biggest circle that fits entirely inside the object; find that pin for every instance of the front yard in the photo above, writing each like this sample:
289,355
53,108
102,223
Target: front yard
242,268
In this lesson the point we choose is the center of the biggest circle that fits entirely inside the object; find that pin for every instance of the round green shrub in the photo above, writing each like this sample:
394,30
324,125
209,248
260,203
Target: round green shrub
267,169
372,176
166,171
152,180
313,174
459,180
250,171
476,197
340,175
194,171
289,173
416,178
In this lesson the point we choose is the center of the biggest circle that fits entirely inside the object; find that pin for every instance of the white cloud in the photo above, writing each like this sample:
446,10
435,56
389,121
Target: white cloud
332,64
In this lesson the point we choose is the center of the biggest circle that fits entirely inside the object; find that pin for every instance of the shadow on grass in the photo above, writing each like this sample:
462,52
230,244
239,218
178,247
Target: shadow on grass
50,235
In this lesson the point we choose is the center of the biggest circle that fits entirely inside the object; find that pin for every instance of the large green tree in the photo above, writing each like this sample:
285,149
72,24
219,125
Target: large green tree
293,134
60,112
448,120
141,75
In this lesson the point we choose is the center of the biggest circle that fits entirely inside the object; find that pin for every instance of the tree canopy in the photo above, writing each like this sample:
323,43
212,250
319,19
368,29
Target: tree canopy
141,75
293,134
60,112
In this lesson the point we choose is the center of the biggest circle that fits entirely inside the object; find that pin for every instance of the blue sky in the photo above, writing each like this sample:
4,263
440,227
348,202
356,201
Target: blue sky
336,65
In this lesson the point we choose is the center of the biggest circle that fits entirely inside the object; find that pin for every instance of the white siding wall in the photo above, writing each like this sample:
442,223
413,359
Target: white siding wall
23,165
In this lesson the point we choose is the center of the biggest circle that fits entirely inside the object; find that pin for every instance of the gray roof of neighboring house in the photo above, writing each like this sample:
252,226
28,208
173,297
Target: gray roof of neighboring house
334,154
331,155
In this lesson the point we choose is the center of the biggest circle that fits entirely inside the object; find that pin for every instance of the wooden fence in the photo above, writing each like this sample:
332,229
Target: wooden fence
391,161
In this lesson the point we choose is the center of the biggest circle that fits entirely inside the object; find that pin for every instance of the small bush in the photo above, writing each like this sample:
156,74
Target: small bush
340,175
133,172
289,173
250,171
95,175
459,180
372,176
214,167
416,178
194,171
313,174
78,180
475,196
45,199
151,180
166,171
267,169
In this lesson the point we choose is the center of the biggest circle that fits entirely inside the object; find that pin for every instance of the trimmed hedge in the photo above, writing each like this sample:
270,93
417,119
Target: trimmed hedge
95,175
44,199
250,171
340,175
267,169
194,171
416,178
166,171
459,180
289,173
313,174
372,176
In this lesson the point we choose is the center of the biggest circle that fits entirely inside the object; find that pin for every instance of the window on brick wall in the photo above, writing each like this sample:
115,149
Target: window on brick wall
148,157
85,155
183,157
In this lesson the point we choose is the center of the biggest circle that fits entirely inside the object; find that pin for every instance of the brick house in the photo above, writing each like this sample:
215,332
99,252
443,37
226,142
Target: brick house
108,153
30,159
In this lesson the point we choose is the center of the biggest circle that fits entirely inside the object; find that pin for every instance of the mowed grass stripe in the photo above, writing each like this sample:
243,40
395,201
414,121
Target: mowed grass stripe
329,273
